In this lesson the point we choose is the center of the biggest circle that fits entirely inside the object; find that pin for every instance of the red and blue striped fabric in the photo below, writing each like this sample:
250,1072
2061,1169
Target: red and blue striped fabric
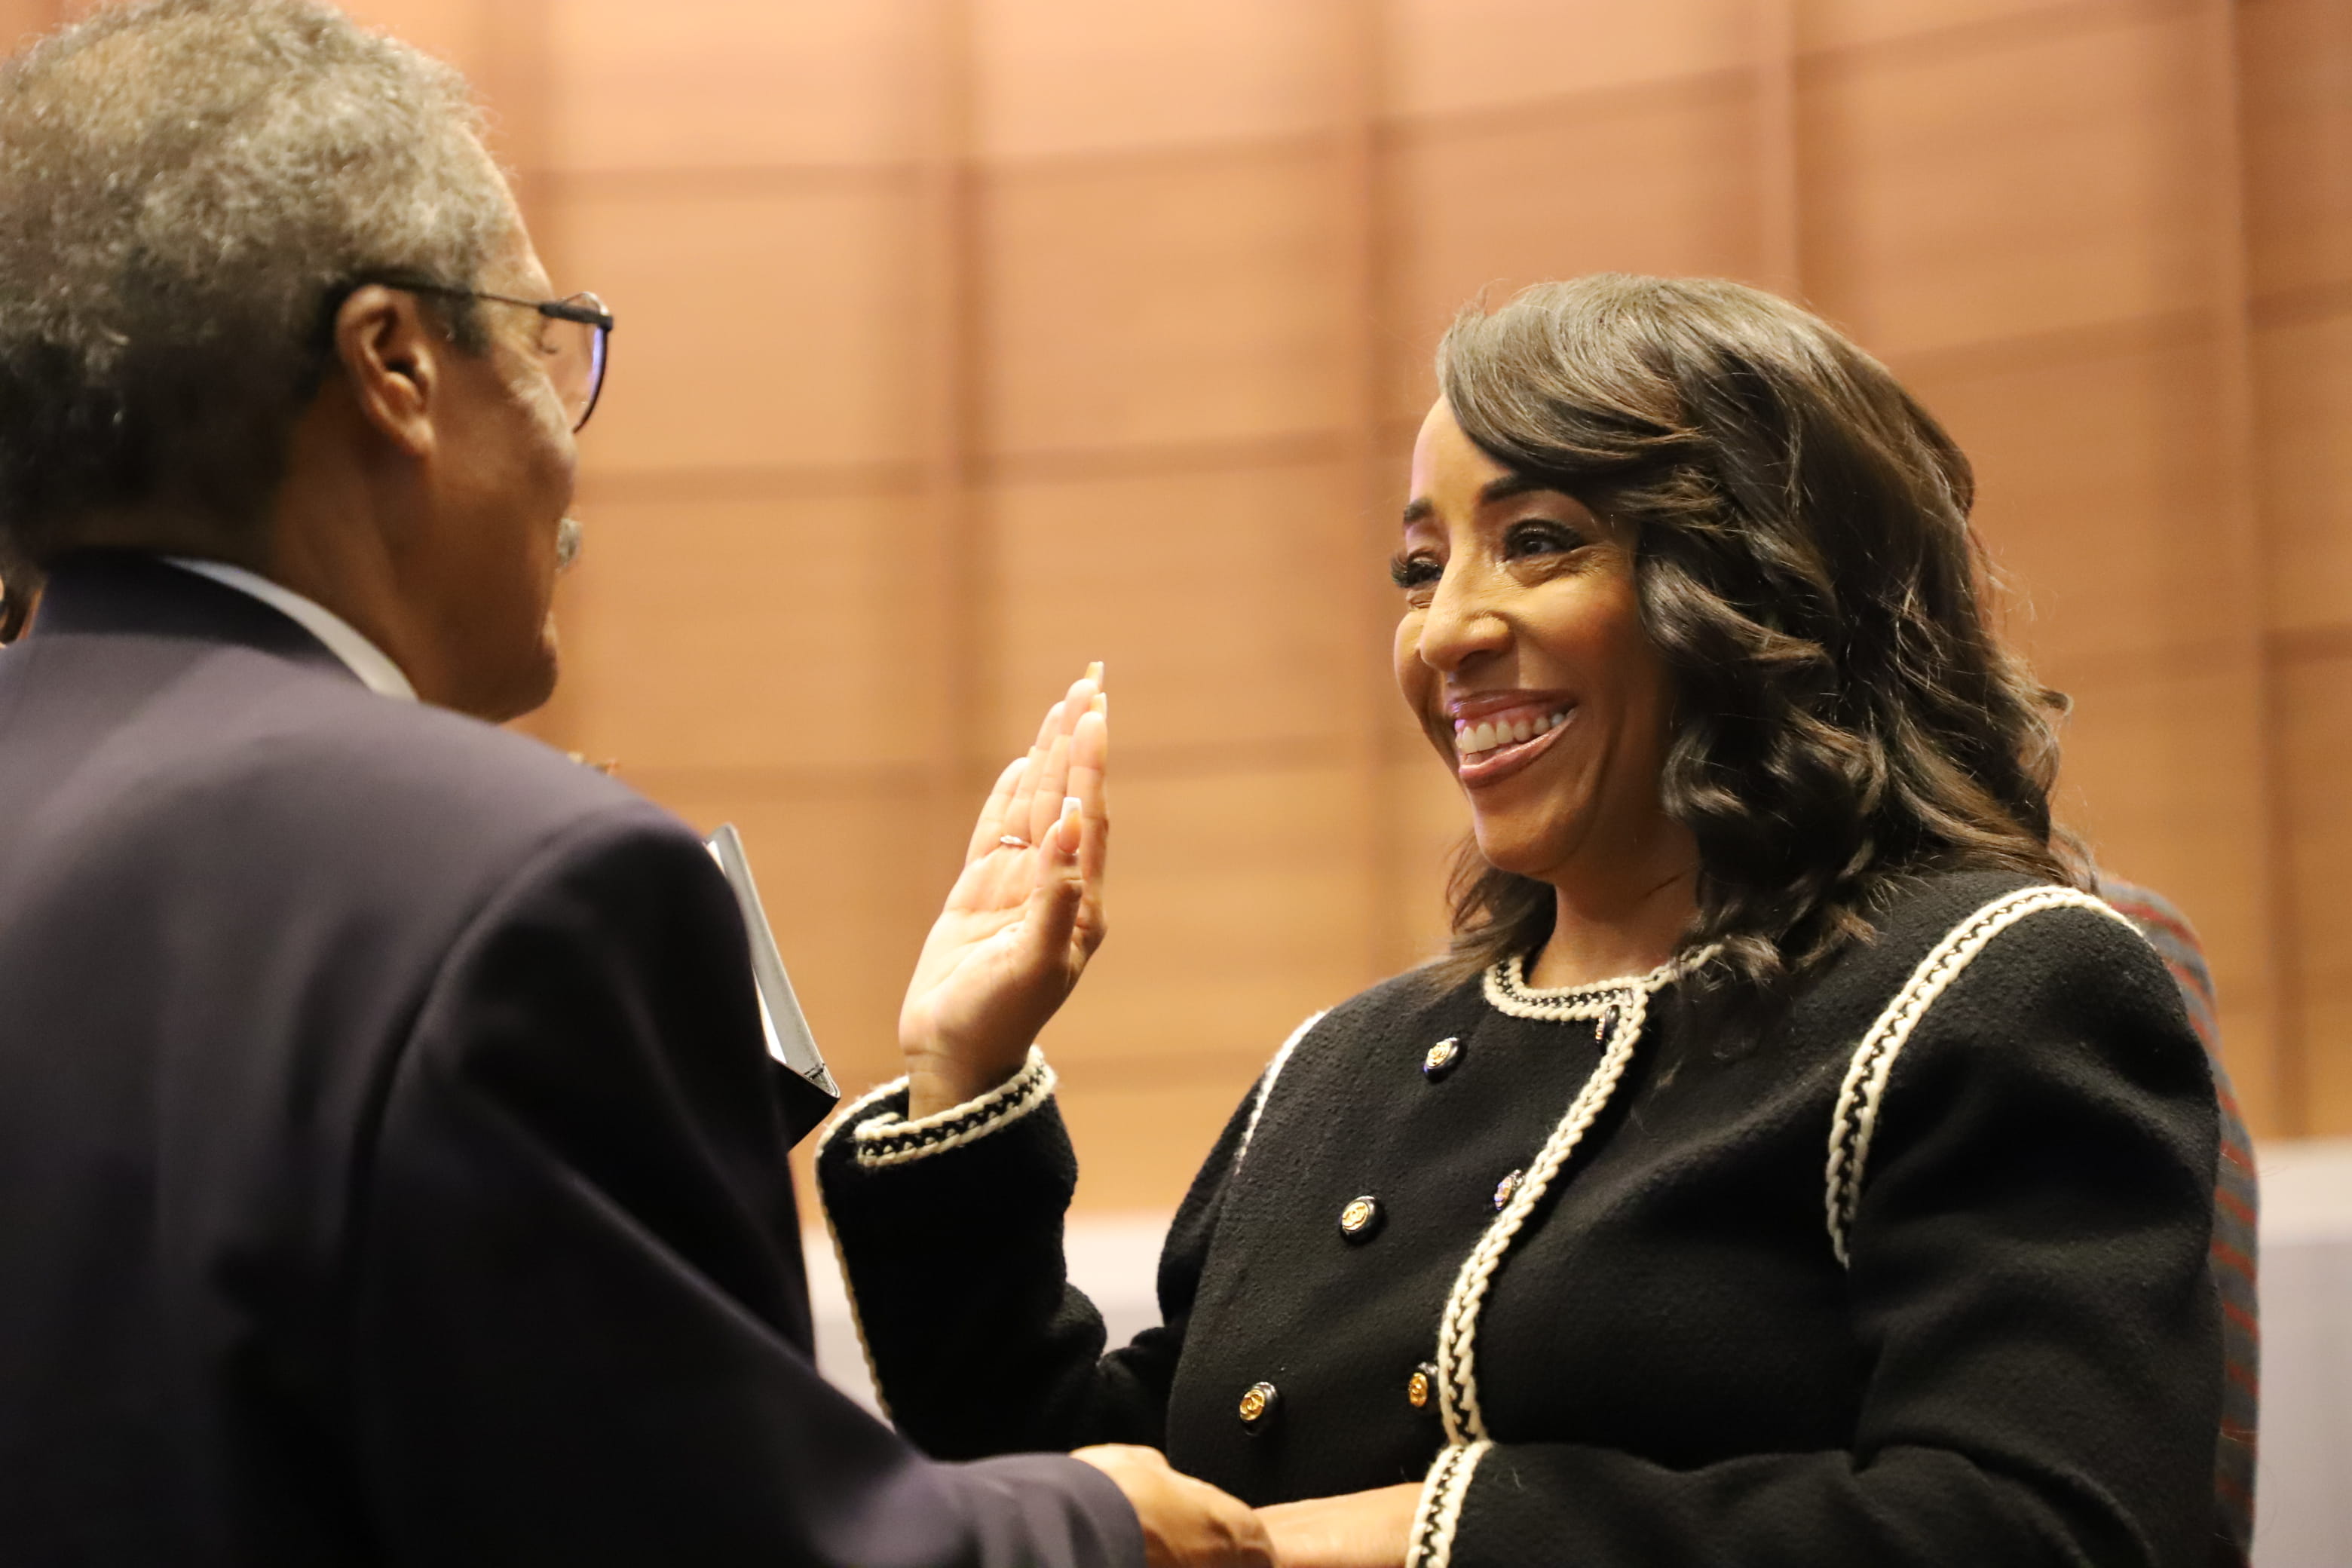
2235,1202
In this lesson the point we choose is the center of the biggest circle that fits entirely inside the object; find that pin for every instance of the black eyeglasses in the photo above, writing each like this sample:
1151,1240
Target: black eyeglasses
575,336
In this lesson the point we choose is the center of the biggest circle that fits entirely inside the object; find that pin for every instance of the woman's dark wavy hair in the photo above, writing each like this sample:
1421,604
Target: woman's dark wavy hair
1844,716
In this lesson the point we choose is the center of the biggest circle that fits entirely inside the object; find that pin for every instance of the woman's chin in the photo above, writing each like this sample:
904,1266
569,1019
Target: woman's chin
1523,851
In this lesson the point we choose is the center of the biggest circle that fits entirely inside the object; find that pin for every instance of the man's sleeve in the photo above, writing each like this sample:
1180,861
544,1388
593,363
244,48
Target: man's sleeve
579,1315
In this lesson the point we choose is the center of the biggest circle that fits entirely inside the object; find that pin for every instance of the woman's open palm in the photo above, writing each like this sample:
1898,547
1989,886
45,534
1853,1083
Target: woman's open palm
1023,918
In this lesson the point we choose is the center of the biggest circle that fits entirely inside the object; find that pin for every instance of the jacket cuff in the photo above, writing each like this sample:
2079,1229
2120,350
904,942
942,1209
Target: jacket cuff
1072,1511
1439,1515
880,1135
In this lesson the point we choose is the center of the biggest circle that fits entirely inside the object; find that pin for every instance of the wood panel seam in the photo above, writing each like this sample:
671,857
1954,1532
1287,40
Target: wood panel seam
1992,35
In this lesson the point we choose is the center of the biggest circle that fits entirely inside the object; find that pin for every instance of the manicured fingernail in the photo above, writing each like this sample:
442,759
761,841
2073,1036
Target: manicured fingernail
1071,803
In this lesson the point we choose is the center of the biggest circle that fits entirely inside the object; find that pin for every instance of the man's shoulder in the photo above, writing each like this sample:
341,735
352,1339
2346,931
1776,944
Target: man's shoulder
368,759
401,759
279,764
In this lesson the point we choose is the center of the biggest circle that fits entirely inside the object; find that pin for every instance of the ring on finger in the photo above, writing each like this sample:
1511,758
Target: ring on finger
1012,841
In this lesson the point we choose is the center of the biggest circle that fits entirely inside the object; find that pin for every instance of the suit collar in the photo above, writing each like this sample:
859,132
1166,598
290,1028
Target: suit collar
344,640
116,592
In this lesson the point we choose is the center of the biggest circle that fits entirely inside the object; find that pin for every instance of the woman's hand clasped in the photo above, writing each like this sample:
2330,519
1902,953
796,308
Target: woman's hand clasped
1355,1530
1023,918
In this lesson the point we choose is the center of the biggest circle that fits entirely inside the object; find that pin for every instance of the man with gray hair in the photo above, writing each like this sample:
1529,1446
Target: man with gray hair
393,1168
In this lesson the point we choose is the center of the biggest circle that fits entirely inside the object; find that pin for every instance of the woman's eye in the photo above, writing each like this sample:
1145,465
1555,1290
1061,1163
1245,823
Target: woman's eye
1410,571
1527,539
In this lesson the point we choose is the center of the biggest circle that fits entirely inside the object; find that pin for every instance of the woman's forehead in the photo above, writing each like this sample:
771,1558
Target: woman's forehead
1443,457
1453,473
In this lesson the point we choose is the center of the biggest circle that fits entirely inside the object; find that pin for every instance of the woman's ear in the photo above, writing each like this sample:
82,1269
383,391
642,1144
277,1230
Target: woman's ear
389,348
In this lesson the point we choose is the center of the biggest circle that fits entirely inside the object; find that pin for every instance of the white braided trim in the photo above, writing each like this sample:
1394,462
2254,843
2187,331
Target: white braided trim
847,1116
1458,1376
1266,1084
890,1140
1438,1516
1509,992
1855,1120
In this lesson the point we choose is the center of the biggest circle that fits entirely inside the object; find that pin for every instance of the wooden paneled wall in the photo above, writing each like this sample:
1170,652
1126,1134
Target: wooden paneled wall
964,341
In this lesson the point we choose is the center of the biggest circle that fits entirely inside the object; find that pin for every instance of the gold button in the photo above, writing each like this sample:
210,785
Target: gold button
1360,1218
1442,1058
1504,1188
1257,1404
1421,1386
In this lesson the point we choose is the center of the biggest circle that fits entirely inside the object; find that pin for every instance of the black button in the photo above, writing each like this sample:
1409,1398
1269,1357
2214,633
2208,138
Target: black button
1504,1188
1259,1403
1441,1058
1421,1386
1360,1220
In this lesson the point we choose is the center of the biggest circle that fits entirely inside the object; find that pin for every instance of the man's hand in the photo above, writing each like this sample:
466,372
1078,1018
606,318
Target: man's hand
1186,1523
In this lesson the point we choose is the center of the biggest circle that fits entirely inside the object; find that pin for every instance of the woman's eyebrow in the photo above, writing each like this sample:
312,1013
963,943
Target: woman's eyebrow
1511,485
1421,509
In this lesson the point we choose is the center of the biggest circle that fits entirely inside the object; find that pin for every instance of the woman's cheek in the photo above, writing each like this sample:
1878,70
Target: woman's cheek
1412,675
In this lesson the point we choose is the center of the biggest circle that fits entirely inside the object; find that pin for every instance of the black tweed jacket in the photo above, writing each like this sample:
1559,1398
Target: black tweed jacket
1919,1278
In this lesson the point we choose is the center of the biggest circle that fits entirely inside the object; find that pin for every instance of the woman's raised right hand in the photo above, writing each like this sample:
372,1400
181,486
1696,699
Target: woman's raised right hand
1023,918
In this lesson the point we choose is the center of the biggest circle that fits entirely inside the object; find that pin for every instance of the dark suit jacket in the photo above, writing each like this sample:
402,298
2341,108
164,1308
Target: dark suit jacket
391,1170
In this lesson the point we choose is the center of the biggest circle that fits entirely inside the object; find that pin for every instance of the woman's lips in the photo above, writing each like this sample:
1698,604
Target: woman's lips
1497,763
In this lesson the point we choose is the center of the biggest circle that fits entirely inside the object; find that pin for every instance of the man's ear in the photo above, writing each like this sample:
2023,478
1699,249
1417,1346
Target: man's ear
391,351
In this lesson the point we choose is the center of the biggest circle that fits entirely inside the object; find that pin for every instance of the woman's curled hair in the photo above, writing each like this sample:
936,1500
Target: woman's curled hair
1844,715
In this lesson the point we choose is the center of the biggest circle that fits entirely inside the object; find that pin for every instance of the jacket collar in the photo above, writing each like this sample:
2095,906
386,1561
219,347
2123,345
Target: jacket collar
344,640
116,592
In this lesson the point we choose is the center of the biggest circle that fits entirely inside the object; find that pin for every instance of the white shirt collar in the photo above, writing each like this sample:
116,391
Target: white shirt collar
366,660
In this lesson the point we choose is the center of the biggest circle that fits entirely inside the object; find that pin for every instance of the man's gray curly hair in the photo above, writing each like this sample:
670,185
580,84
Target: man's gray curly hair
187,187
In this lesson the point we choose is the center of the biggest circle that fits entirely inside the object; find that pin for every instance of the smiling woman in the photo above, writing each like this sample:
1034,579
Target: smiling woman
1792,528
1791,1164
1522,651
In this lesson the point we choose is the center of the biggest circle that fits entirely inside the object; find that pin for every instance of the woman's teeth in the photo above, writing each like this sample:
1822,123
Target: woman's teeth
1470,739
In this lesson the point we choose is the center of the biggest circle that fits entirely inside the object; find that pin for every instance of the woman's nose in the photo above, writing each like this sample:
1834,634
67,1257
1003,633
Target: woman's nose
1461,625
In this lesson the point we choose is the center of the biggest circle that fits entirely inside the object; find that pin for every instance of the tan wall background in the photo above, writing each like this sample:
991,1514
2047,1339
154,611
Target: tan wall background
962,341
